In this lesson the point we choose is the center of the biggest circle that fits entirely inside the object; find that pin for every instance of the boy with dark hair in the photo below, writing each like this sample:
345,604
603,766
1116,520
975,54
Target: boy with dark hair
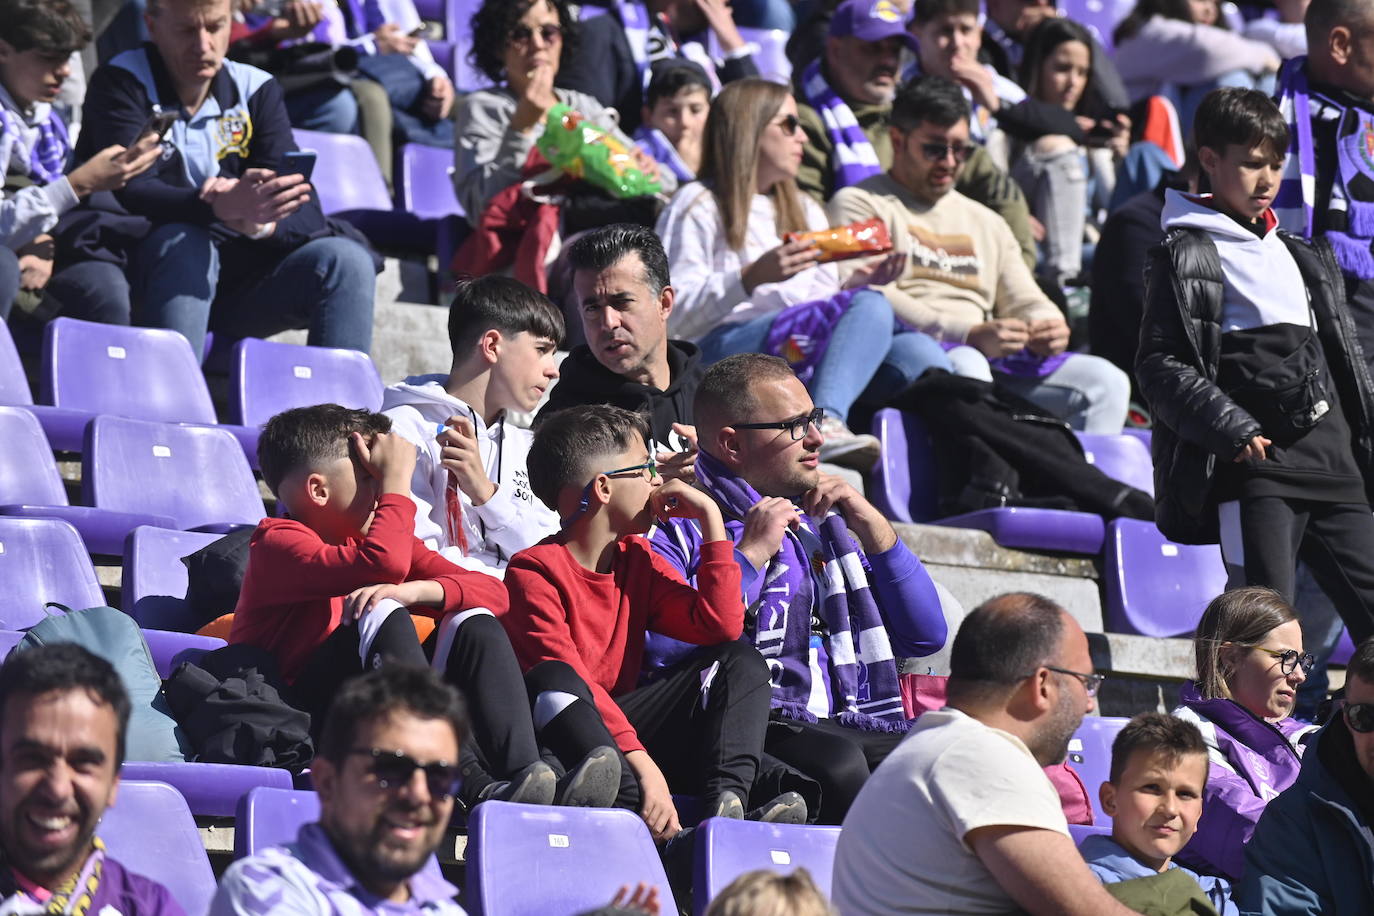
674,118
1251,367
470,486
1154,797
37,40
581,601
327,590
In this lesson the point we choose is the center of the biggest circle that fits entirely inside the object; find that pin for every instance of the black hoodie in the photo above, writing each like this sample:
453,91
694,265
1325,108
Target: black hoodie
583,380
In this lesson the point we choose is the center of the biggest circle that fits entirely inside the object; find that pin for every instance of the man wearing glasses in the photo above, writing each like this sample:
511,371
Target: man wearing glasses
965,282
1312,849
961,818
386,773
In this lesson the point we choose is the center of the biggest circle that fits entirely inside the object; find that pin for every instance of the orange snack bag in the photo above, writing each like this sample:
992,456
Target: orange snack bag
857,240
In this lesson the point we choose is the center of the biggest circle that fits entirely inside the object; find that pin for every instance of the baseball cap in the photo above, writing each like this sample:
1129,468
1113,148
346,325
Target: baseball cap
871,20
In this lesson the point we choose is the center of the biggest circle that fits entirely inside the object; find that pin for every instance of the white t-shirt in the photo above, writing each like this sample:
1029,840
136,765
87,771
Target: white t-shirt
902,849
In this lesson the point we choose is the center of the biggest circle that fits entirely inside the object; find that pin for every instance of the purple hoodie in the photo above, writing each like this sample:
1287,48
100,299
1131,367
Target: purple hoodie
1252,761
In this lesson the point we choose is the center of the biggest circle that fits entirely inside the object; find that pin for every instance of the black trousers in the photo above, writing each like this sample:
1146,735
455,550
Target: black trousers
1335,540
705,738
839,758
338,659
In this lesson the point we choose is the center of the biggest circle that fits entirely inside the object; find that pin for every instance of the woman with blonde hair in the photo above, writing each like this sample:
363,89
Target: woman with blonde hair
742,288
1250,661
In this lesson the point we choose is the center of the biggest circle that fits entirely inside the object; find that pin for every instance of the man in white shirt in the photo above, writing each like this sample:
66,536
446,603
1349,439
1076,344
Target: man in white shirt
961,819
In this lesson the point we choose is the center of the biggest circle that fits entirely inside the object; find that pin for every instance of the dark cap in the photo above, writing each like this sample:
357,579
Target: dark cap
871,20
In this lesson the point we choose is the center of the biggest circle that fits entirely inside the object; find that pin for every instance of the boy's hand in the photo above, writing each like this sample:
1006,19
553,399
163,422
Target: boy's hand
678,499
389,458
764,526
643,899
1253,449
363,601
460,453
656,807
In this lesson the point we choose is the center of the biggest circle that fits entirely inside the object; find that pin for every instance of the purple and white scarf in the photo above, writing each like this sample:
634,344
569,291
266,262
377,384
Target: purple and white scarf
639,34
854,157
46,160
863,673
653,142
801,333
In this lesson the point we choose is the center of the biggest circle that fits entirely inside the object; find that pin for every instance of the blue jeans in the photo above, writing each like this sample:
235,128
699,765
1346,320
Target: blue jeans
326,285
92,291
9,280
332,109
865,360
1087,392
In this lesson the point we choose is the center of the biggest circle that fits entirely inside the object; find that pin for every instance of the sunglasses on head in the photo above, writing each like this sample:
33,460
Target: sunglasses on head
548,34
393,769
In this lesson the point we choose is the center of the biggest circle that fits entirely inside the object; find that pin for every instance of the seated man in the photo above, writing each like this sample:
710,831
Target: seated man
960,818
759,444
471,488
62,726
228,231
844,102
372,850
963,282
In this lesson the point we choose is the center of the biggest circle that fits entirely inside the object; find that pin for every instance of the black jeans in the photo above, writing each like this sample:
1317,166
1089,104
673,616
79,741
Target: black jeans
338,659
839,758
705,739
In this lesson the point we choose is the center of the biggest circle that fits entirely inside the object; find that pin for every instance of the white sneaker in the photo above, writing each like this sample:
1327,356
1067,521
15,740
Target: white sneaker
847,448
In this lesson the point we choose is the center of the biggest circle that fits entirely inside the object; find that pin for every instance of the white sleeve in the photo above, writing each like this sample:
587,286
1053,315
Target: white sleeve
32,211
426,489
707,290
1288,38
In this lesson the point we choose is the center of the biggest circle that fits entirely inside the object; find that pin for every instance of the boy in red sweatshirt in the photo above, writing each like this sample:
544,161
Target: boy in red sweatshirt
581,602
327,592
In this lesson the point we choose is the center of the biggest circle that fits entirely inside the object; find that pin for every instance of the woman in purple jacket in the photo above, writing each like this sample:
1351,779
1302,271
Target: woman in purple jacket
1250,661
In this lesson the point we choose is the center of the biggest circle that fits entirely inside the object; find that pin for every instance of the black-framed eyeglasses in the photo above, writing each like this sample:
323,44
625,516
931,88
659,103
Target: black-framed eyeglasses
1092,683
796,428
1360,717
548,34
393,769
936,152
789,124
1290,659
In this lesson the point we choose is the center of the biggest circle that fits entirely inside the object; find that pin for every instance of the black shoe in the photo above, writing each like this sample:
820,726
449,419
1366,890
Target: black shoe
787,808
534,785
594,783
726,804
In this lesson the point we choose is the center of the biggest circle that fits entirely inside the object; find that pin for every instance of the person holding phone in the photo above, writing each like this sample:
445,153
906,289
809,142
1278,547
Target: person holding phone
235,242
37,38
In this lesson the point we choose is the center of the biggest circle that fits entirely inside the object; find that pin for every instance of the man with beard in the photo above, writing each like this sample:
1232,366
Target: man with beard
62,727
386,774
960,818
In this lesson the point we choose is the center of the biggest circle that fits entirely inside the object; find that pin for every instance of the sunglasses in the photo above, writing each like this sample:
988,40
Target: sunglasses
790,124
1091,682
936,152
1290,659
1360,717
548,34
393,769
795,428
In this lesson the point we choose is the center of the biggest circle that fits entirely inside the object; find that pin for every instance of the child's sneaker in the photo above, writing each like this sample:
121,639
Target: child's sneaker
593,783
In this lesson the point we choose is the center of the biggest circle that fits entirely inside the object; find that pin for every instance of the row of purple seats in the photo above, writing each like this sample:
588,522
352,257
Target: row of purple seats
154,580
150,830
1090,756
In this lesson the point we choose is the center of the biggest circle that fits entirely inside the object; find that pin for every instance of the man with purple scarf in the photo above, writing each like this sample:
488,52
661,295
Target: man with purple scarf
830,616
62,732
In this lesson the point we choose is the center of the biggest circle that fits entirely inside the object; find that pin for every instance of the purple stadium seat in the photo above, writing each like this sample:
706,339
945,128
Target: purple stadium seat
1121,457
42,560
1080,832
1153,586
8,640
771,58
31,487
1345,648
64,427
269,377
150,831
531,860
1101,17
1144,435
153,586
1090,755
210,789
346,175
197,475
1036,529
267,817
425,184
726,849
169,649
466,77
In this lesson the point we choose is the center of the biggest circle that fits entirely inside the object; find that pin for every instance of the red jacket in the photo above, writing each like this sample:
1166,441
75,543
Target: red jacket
596,621
295,583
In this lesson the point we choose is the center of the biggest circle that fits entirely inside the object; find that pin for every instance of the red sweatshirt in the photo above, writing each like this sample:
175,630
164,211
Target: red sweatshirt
596,621
295,583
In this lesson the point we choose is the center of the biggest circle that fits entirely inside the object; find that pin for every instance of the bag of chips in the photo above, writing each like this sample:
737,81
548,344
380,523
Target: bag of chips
857,240
591,153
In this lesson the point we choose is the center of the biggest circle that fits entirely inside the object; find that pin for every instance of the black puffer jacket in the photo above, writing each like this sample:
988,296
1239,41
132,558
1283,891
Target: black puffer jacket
1196,423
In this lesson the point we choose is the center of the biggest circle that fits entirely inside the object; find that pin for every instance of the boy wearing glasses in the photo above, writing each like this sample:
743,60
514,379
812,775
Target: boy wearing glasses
582,600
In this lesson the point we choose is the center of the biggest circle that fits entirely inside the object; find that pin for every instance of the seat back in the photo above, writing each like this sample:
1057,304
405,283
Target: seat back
904,483
346,175
210,789
531,860
197,475
269,377
1153,586
28,473
148,373
14,384
1081,832
727,848
149,830
153,586
425,185
466,76
1121,457
8,640
771,57
1090,755
42,560
271,817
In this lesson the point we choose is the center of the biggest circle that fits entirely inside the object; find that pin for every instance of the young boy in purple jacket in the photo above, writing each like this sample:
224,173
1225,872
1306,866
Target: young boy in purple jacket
828,615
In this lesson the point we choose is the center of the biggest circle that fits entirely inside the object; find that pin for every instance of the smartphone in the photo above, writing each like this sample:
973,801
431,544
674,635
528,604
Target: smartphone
298,162
159,122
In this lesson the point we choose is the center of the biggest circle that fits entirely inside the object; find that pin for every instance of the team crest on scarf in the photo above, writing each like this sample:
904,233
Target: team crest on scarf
1367,146
233,131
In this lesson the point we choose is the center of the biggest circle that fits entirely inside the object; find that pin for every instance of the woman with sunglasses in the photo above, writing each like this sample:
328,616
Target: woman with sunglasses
1250,661
742,289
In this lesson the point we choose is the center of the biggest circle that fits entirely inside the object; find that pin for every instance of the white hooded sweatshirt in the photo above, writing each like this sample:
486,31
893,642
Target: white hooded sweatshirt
510,521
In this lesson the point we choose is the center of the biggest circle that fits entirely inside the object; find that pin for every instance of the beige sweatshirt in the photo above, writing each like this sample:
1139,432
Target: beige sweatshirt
963,267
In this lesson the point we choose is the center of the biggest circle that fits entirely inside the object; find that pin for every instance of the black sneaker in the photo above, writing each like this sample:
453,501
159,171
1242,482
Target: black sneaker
787,808
726,804
534,785
594,783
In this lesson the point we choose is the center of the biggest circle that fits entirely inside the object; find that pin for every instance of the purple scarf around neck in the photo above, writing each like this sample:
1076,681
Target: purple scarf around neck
853,158
863,672
653,142
47,158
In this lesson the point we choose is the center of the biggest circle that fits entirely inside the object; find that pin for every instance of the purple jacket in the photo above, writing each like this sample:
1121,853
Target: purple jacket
1252,761
124,893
